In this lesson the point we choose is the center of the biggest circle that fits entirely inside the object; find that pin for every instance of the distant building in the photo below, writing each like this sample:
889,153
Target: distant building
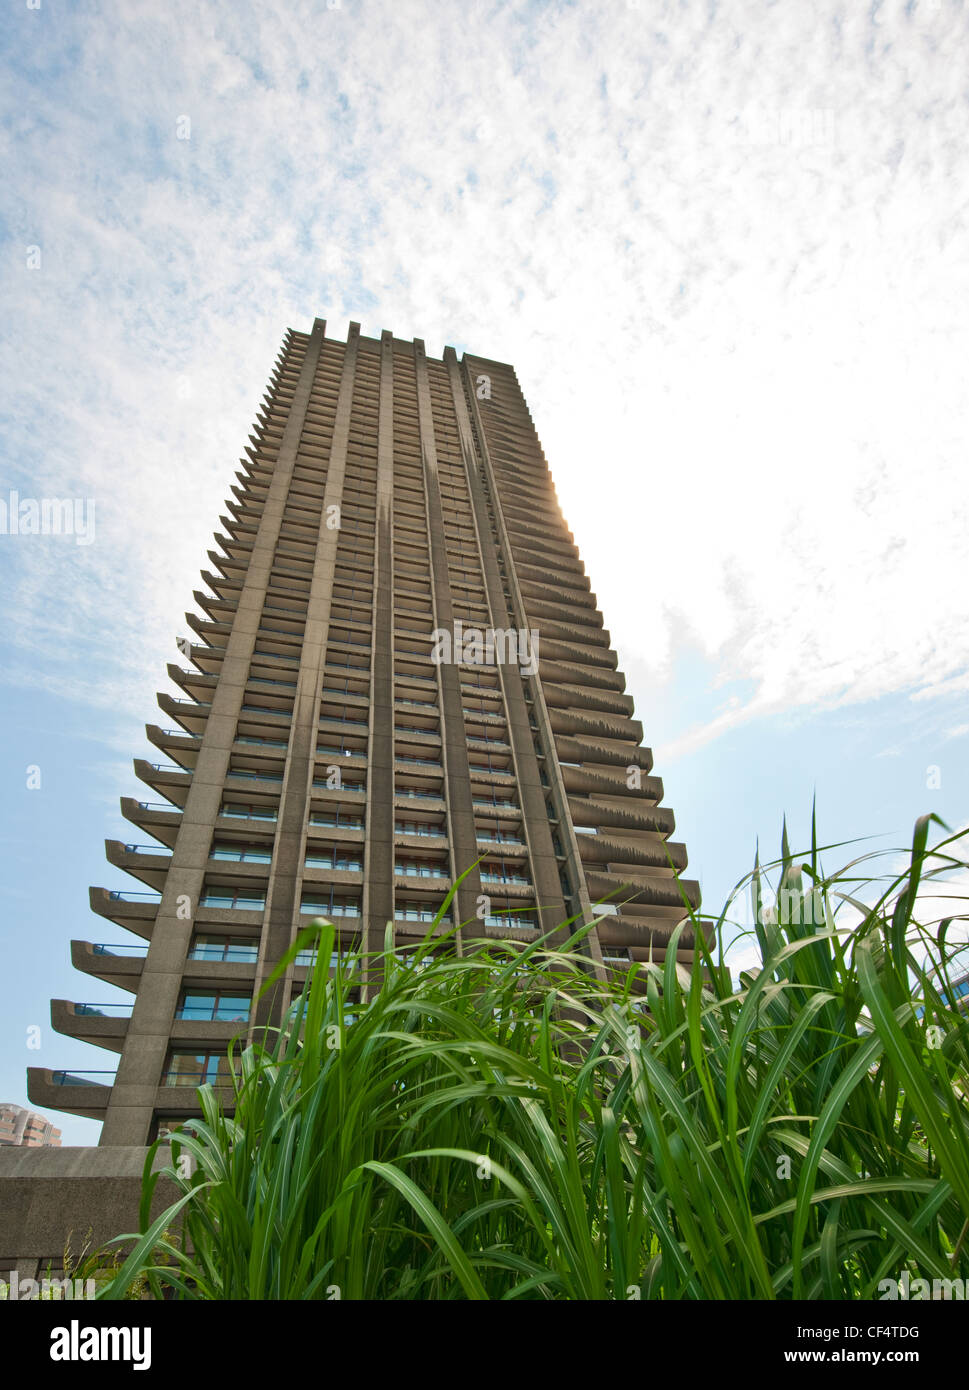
954,990
26,1128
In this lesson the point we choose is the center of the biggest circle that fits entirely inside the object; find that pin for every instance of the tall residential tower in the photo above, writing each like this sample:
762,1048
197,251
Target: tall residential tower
402,673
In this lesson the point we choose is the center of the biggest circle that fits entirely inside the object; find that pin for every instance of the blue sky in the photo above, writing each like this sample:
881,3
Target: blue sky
725,248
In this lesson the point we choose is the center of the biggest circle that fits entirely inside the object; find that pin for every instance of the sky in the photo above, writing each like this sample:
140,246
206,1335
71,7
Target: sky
724,246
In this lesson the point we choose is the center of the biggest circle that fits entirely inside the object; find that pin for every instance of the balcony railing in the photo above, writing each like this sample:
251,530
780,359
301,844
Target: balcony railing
104,1010
233,954
233,900
422,914
308,957
147,849
209,1013
83,1078
125,896
101,948
196,1078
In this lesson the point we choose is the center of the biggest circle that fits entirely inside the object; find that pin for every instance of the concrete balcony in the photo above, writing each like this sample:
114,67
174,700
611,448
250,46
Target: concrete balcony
572,673
568,581
166,781
619,856
586,699
644,892
155,818
220,610
227,589
635,815
192,715
179,747
110,963
600,754
136,915
141,861
91,1023
596,724
577,600
604,783
79,1093
578,654
562,628
552,608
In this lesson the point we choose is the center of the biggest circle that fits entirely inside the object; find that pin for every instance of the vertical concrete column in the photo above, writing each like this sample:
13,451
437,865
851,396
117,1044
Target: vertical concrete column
281,921
131,1104
378,890
555,792
462,836
541,852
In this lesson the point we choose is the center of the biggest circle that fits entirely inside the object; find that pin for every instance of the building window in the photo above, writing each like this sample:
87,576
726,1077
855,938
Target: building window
248,854
215,1006
237,949
420,868
197,1068
322,902
227,897
336,815
334,857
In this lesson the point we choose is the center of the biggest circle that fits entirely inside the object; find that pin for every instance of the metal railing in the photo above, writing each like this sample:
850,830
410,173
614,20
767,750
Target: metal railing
82,1078
101,1010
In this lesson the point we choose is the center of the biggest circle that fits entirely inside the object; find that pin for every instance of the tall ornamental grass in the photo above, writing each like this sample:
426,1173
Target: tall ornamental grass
501,1125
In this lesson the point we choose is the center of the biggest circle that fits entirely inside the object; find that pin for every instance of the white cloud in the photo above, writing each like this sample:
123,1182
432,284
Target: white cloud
725,251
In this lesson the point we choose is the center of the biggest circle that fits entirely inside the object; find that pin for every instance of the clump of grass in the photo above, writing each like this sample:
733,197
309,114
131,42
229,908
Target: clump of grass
502,1125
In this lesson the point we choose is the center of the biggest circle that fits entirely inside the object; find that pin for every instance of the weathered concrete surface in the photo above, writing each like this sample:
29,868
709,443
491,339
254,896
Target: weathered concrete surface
86,1195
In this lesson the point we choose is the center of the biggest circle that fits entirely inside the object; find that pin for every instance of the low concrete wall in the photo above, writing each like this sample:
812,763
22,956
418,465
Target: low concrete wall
51,1196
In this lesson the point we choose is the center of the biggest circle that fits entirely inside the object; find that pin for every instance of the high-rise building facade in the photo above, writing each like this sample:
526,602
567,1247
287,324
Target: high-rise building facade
402,675
26,1129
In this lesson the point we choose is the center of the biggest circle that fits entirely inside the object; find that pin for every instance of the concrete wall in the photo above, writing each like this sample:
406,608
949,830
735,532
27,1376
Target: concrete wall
49,1196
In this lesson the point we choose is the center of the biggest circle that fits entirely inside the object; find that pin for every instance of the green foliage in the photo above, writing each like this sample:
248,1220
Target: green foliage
502,1124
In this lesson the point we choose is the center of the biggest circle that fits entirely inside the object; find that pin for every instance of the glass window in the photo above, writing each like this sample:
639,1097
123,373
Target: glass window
196,1068
250,854
214,1006
237,949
